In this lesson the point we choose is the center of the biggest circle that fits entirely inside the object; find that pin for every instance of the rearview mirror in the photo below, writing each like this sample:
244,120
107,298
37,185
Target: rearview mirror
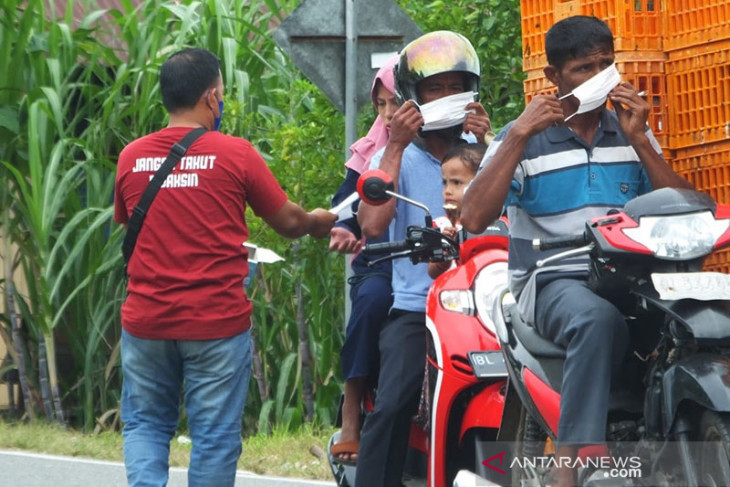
375,187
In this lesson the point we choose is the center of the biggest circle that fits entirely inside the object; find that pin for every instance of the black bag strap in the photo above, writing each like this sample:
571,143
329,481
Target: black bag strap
134,225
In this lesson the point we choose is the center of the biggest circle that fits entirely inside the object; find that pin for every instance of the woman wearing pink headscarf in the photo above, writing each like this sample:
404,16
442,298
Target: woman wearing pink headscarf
345,237
370,290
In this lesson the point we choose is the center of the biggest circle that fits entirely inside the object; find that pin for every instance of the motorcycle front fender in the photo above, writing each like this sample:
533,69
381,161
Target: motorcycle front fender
706,320
703,379
485,409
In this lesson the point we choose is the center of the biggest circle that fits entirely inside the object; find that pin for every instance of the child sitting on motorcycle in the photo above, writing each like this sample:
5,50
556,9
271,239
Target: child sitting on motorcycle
458,168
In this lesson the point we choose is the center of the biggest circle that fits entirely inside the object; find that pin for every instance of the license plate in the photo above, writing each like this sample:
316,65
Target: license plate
704,286
488,364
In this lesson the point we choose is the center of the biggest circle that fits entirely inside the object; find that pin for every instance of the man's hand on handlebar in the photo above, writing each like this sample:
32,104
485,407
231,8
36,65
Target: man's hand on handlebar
422,244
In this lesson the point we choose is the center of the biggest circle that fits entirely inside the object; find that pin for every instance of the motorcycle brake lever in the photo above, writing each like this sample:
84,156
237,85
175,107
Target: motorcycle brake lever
396,255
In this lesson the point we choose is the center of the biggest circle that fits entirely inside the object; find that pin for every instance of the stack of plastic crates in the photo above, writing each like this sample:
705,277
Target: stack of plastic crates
698,81
636,25
679,52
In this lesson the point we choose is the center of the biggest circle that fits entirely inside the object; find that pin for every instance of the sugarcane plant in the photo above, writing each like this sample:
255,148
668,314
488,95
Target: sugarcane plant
77,85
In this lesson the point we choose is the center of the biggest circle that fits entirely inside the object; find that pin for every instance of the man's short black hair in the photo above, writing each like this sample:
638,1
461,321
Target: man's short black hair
575,37
185,76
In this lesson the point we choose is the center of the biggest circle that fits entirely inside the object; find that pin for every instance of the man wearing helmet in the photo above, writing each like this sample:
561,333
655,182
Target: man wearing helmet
435,66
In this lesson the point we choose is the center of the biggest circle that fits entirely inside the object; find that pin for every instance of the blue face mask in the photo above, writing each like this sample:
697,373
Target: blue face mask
217,120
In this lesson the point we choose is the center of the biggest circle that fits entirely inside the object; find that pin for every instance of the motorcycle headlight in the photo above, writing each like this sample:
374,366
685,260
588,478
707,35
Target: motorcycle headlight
458,301
488,285
678,237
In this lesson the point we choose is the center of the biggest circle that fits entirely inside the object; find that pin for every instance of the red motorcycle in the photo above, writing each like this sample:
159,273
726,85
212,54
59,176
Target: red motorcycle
669,413
465,378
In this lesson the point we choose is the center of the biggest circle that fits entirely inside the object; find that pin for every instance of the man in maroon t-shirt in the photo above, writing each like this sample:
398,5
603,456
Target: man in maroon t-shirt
186,317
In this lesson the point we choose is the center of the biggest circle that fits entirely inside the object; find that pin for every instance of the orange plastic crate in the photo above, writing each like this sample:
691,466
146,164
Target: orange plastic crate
537,17
690,23
707,167
636,24
718,261
537,83
645,70
698,80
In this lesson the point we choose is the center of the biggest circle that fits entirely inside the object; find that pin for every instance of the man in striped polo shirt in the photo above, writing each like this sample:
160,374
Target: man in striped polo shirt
553,168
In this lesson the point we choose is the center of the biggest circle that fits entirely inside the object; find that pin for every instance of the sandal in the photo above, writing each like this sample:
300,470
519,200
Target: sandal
344,448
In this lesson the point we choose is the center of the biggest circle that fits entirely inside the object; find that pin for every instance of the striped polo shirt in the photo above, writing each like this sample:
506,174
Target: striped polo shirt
560,183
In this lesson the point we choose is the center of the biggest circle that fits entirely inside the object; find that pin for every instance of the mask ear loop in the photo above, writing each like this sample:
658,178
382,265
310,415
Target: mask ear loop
207,94
576,110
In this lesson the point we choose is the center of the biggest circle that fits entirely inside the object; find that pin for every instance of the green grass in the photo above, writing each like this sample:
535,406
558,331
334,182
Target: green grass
279,454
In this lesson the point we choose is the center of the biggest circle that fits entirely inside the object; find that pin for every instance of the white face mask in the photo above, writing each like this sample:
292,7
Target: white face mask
594,92
446,112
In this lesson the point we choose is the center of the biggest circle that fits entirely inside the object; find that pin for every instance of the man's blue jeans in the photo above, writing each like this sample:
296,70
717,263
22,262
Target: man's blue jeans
215,376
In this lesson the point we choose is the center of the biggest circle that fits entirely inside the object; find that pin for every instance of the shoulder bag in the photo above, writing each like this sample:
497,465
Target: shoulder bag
137,217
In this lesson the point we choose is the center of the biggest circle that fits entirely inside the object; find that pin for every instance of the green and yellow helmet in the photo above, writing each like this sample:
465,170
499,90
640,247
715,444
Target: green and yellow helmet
437,52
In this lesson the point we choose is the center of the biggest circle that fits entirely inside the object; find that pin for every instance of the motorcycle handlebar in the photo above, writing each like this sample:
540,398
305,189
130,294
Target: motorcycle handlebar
385,247
559,242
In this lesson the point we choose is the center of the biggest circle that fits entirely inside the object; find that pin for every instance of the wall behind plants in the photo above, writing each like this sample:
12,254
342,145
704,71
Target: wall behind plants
68,104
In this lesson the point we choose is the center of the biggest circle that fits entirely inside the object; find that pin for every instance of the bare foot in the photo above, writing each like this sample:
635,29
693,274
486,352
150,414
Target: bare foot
351,414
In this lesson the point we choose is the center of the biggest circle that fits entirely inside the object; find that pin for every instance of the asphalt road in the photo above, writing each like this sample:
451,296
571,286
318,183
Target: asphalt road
21,469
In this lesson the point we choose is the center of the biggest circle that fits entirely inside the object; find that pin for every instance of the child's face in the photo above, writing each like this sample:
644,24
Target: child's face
454,176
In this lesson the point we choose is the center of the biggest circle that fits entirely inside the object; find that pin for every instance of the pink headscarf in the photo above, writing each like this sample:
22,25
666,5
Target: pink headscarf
377,136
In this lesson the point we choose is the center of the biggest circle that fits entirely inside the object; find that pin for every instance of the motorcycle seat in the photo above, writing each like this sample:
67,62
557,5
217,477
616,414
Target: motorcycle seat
529,337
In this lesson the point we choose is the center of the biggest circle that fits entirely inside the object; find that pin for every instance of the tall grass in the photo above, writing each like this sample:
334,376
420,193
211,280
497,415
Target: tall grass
72,94
70,101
